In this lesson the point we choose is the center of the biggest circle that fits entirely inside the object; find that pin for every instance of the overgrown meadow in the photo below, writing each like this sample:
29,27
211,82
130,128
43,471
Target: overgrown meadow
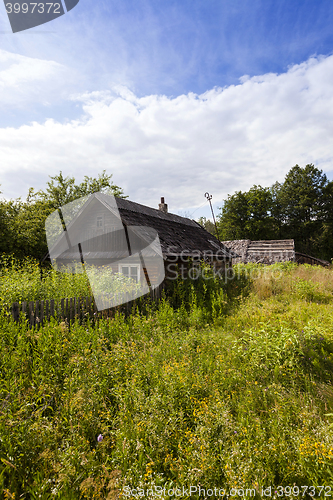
224,385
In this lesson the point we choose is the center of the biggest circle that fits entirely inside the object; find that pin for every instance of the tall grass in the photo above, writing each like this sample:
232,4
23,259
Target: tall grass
220,386
25,280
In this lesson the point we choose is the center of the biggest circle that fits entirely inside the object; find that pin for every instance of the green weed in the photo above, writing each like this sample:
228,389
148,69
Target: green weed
221,384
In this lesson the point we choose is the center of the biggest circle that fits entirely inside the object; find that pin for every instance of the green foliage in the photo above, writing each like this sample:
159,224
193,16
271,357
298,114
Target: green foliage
301,197
22,228
234,217
61,190
300,208
26,281
307,290
240,397
22,224
207,224
247,215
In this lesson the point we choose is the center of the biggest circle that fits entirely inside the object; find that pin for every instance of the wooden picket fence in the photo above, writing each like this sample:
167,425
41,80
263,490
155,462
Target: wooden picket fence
39,312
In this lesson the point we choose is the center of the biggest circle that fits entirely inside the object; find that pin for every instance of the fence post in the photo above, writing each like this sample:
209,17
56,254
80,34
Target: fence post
127,304
62,306
70,304
37,313
16,311
52,307
24,307
42,312
31,314
74,304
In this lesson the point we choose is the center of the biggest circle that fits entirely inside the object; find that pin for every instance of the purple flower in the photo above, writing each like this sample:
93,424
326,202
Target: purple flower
100,438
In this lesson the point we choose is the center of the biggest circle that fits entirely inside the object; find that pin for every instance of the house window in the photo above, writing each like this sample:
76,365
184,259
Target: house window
99,222
132,272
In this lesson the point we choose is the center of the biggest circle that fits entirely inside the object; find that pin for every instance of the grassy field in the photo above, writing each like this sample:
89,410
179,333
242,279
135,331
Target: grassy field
220,386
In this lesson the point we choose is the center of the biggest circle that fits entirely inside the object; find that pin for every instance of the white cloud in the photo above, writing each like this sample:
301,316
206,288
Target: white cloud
221,141
25,80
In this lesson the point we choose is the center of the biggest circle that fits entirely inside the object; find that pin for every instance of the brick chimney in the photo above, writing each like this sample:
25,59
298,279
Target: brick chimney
163,206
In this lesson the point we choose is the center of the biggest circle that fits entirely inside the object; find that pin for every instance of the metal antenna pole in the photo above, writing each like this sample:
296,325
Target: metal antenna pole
209,197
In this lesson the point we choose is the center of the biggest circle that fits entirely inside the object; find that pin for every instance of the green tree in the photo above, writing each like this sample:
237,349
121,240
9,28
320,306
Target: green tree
22,223
234,217
7,238
302,201
300,208
207,224
247,215
325,237
61,190
261,223
22,228
277,210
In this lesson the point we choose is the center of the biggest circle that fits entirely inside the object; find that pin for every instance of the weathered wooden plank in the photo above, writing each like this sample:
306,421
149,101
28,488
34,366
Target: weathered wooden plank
41,317
31,314
71,309
66,309
16,311
127,303
24,307
62,308
37,319
75,307
52,308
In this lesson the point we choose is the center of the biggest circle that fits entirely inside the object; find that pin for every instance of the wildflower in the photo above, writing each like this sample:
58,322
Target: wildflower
100,438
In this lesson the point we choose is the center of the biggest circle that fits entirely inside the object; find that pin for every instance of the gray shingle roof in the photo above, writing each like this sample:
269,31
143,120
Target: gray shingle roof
178,235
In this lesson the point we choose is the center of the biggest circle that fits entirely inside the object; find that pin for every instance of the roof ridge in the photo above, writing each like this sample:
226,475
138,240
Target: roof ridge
153,212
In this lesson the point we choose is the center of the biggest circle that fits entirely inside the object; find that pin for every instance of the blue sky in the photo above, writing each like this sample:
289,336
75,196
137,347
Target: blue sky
174,98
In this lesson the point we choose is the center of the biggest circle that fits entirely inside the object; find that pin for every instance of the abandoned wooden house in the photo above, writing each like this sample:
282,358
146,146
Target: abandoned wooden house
124,235
182,239
269,252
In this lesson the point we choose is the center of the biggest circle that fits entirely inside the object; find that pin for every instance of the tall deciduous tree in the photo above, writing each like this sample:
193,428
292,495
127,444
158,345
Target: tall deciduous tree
22,223
325,238
61,190
247,215
301,197
234,217
207,224
300,208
